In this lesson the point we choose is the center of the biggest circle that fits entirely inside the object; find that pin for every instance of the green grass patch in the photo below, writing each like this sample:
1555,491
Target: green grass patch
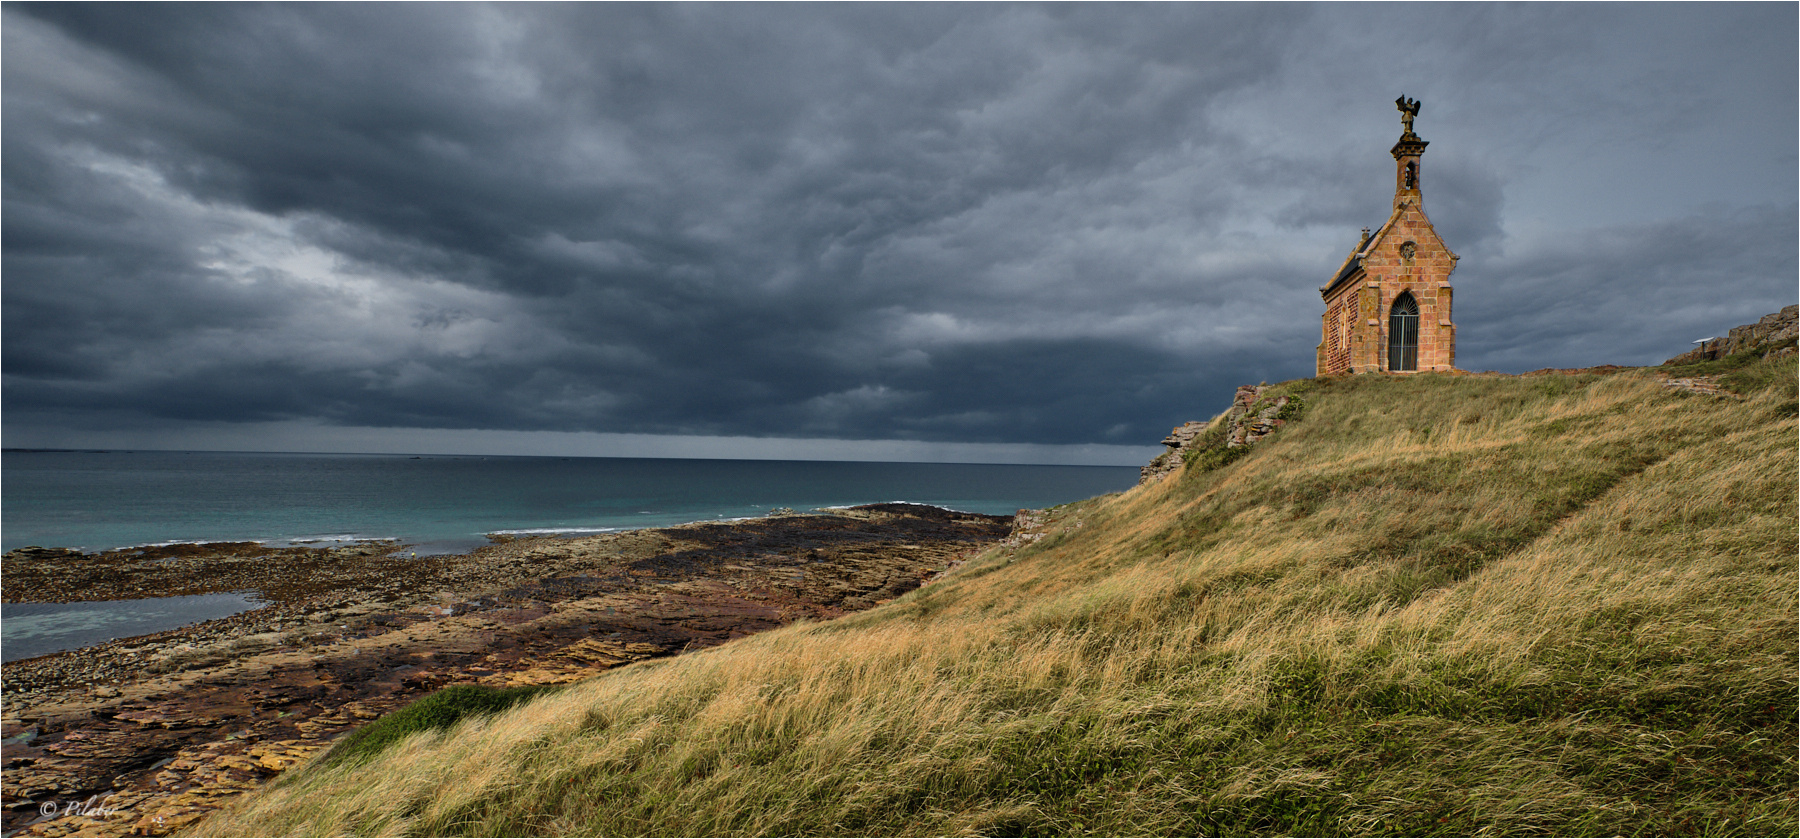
1762,374
434,712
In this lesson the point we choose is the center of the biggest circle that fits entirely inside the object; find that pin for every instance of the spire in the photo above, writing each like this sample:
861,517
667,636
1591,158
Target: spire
1406,154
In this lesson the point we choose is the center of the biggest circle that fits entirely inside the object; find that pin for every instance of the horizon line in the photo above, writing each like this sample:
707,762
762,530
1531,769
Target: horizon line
291,437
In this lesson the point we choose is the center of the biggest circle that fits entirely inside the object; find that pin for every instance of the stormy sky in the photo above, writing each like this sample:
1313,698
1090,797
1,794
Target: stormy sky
964,232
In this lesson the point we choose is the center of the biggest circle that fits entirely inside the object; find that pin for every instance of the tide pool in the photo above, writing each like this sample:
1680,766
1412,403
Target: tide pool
34,629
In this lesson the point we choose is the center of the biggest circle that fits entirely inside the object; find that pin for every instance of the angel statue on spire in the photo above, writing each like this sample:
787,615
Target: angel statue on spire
1409,108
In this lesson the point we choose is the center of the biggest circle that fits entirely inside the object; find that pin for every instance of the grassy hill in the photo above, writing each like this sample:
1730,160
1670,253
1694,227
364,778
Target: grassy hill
1560,604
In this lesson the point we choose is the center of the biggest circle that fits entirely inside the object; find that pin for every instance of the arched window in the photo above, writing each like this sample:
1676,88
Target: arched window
1403,333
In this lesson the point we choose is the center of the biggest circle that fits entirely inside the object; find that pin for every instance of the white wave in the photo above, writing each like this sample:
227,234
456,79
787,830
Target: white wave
538,531
184,542
173,542
272,541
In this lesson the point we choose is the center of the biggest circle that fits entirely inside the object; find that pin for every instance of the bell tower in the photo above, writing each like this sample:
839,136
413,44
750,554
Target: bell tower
1387,309
1406,154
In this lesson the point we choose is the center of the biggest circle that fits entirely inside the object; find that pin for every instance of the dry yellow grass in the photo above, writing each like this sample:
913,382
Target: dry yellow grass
1462,605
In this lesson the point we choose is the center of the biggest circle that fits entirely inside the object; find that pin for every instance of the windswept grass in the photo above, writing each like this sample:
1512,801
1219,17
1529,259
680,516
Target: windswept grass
1458,605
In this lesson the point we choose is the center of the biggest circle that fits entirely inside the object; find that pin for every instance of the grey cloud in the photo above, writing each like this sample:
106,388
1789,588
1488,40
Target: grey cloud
1559,305
1061,224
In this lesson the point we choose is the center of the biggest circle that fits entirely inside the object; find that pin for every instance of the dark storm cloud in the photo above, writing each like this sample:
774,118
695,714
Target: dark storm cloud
1061,224
1689,278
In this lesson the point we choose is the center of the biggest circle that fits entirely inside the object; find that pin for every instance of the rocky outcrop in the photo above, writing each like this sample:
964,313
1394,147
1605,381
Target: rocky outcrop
1180,440
1251,418
1773,334
33,553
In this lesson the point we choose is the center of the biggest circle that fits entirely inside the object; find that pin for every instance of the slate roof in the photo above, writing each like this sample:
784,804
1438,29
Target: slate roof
1353,265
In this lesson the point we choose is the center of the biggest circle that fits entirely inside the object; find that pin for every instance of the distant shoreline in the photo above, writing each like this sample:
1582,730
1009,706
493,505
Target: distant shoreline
397,545
97,502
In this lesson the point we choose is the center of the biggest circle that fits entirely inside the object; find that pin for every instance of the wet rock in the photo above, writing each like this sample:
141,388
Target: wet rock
32,553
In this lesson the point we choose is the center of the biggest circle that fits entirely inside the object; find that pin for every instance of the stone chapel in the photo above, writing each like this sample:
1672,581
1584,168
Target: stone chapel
1387,309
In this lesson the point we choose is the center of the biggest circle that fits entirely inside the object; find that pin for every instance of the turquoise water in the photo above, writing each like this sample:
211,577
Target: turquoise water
103,500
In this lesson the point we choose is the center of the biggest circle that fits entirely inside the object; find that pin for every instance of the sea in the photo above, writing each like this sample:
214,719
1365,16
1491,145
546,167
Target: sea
437,504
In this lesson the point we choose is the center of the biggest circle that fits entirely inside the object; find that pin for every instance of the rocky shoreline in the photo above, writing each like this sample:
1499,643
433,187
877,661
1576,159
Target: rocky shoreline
145,735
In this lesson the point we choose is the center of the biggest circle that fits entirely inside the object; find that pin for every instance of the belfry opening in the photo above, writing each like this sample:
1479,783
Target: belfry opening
1387,307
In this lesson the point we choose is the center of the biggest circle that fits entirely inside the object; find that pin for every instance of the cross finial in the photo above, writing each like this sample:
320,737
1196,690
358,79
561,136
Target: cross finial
1409,108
